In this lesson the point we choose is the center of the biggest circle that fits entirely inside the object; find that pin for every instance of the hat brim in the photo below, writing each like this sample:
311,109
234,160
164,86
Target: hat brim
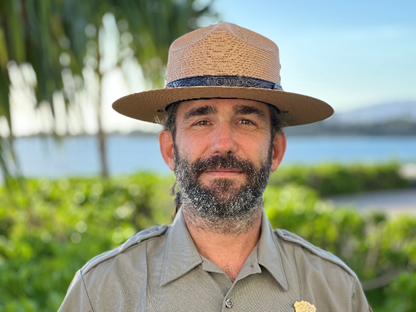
295,109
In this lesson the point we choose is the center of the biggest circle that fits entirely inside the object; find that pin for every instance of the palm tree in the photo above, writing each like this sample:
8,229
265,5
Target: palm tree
41,32
32,32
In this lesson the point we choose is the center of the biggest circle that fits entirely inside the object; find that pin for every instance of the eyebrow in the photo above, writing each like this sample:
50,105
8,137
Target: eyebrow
249,110
200,111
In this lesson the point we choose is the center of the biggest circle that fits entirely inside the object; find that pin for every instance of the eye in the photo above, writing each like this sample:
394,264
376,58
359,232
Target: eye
202,123
245,122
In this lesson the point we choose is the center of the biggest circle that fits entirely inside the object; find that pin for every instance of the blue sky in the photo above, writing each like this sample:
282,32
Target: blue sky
348,53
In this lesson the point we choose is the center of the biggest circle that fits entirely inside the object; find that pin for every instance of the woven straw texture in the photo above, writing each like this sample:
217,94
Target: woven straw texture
223,49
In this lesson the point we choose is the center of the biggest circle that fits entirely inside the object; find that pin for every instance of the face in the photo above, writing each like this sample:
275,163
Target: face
222,156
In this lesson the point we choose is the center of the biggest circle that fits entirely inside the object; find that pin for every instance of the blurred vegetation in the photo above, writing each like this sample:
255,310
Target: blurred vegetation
49,229
381,251
335,179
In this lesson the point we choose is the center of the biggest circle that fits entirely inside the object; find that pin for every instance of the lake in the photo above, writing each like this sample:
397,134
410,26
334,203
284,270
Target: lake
78,156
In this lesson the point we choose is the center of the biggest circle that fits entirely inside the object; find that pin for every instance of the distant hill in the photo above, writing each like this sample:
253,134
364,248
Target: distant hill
381,113
396,118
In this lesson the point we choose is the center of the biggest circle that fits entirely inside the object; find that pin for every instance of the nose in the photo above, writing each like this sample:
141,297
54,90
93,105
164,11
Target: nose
223,141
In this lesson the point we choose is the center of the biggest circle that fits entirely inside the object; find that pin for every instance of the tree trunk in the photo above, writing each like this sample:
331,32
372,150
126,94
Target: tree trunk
102,140
101,136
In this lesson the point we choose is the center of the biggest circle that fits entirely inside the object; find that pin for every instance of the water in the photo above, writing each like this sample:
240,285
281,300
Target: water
78,156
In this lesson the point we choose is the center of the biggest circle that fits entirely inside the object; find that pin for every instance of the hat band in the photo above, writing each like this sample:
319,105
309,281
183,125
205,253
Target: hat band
224,81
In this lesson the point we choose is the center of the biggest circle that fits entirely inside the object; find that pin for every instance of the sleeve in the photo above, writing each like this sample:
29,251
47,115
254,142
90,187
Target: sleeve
76,298
359,301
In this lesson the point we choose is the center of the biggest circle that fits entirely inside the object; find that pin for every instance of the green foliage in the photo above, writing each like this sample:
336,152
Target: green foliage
49,229
332,179
376,248
402,290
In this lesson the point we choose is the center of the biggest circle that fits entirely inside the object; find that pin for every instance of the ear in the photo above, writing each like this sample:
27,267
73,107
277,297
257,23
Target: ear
278,149
166,148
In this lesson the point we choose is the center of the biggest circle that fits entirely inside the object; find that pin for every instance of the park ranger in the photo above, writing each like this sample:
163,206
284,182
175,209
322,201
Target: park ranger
223,110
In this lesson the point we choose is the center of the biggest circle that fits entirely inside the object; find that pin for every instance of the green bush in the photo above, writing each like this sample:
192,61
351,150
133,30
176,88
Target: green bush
401,293
49,229
381,251
333,179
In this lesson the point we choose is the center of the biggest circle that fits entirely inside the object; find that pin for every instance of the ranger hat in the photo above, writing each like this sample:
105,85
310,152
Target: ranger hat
223,61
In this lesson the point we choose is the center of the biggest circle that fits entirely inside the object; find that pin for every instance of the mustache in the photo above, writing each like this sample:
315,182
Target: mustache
222,162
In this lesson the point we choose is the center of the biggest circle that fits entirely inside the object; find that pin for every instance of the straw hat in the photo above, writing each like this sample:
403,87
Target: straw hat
223,61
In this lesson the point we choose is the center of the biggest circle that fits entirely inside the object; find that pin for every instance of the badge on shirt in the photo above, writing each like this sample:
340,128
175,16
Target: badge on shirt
304,306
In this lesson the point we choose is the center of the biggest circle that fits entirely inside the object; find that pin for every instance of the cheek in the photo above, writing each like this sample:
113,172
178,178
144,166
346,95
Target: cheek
256,151
192,146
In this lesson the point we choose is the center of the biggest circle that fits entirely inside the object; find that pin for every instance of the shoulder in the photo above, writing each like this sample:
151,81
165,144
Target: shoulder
311,250
104,283
134,241
322,276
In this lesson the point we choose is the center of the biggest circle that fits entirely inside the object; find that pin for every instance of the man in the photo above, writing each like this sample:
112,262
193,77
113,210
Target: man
223,109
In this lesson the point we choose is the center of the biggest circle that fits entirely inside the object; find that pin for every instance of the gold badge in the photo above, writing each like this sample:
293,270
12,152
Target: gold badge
304,306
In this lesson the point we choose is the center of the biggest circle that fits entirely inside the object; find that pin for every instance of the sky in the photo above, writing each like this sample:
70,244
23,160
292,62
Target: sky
350,54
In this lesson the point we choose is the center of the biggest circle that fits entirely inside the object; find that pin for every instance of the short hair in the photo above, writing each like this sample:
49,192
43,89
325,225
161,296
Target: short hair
170,121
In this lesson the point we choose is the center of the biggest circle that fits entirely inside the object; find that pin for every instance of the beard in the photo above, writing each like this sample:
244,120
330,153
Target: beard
224,206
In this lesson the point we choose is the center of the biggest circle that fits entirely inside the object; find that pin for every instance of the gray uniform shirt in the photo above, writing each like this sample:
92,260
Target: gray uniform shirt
160,269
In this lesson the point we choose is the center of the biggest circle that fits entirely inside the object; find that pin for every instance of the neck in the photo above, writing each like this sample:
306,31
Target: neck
227,250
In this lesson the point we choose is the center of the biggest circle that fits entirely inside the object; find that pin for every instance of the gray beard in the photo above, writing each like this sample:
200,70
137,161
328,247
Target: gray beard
223,207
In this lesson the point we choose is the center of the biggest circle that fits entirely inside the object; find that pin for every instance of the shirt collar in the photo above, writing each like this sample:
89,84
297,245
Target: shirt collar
269,255
182,256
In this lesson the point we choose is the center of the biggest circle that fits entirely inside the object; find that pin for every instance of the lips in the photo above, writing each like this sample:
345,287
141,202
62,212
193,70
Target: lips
224,172
231,170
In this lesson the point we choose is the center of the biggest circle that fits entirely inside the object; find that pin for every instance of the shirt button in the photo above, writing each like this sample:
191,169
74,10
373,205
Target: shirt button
228,303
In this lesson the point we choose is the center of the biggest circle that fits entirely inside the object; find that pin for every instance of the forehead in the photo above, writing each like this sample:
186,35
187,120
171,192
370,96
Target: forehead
229,106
